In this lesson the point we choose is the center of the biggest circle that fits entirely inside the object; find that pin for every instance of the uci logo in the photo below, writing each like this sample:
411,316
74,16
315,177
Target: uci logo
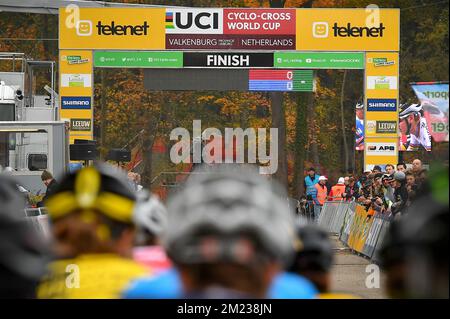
190,21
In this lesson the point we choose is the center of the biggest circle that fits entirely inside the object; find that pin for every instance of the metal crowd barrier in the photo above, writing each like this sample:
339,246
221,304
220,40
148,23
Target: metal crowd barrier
38,218
347,223
327,213
380,238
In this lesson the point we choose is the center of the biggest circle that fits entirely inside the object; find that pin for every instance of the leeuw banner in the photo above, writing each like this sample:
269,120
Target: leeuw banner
434,99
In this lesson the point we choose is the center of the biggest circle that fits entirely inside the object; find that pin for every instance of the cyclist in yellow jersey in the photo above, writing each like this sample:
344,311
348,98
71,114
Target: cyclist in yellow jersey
92,214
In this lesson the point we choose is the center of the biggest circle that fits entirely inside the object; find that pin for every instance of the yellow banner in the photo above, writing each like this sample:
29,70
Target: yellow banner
112,28
348,29
76,85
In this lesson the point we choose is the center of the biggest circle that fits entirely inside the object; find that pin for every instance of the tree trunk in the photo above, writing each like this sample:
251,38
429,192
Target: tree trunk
103,113
312,132
344,135
279,121
301,139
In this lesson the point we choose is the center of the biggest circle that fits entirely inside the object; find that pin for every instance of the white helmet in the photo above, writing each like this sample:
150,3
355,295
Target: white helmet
412,109
149,213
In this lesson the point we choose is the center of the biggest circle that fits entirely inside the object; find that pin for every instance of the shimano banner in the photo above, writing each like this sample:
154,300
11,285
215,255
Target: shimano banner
434,99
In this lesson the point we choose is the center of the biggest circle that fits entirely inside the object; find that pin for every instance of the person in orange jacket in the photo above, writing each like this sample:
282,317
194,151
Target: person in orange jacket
338,190
320,197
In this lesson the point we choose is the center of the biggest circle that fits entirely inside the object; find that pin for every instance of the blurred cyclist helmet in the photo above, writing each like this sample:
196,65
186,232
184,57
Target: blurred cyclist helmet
314,252
149,213
229,216
408,110
99,188
419,244
359,105
23,253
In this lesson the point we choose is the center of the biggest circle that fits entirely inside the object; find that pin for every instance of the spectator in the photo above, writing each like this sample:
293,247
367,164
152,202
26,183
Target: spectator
338,190
390,169
93,229
401,167
51,184
400,194
388,190
351,190
309,183
416,166
411,186
376,169
421,178
320,197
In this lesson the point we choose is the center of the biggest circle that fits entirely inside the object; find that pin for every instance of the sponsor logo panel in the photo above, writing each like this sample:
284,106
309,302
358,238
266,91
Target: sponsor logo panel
80,125
381,149
113,28
381,105
381,82
347,30
386,127
76,80
76,102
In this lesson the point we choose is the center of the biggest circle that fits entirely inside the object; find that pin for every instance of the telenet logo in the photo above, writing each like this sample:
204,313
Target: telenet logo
321,30
85,28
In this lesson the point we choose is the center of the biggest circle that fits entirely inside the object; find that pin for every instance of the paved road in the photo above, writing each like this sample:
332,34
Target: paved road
349,274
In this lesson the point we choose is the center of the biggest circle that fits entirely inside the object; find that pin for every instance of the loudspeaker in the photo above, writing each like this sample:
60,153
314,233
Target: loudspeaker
83,152
119,155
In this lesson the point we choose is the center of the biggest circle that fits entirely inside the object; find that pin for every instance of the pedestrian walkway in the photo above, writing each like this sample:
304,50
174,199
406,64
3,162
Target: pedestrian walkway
349,274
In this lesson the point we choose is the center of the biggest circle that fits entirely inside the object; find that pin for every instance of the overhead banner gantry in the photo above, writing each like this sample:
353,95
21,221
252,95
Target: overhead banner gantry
236,38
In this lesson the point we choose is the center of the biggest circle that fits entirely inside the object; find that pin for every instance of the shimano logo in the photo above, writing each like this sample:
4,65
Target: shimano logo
119,29
389,105
358,32
76,102
381,104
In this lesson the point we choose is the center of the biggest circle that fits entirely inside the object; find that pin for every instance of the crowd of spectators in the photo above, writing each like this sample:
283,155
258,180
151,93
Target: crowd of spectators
388,191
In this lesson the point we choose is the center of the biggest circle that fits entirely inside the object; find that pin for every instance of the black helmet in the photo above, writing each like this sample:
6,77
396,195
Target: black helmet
100,188
420,243
23,253
314,250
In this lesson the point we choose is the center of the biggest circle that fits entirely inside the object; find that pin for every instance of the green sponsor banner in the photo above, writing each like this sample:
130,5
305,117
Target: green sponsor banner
129,59
319,60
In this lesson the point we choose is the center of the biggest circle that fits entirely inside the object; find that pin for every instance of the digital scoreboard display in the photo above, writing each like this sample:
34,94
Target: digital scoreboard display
281,80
